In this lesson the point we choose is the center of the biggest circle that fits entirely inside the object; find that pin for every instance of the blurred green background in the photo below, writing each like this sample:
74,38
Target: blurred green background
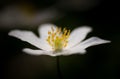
100,62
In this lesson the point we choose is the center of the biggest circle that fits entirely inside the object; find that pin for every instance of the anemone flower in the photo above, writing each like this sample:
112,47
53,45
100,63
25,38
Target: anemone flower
54,41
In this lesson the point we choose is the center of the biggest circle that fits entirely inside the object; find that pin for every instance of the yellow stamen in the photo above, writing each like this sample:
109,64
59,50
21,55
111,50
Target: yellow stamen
49,32
58,39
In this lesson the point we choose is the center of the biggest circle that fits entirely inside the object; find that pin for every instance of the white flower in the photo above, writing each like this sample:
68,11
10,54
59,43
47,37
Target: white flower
54,41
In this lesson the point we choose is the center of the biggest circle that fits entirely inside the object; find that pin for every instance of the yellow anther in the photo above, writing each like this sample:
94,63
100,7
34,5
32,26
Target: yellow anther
59,30
64,29
49,32
65,44
56,37
53,35
68,33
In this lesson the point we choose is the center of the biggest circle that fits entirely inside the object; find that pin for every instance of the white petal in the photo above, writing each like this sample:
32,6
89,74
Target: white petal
40,52
69,52
87,43
80,48
76,51
43,30
50,53
29,37
45,45
35,52
93,41
77,35
61,53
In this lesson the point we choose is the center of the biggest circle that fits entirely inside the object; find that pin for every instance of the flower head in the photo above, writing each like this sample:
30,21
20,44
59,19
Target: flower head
55,41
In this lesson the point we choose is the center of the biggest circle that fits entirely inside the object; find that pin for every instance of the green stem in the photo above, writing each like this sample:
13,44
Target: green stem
58,67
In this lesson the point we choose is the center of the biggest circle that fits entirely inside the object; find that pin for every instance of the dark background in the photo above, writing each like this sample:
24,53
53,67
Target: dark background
100,62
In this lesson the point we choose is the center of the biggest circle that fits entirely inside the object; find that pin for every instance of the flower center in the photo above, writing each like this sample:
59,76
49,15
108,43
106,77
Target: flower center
58,39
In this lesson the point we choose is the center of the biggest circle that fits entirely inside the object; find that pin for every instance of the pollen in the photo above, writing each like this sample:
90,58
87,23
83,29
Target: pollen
58,38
